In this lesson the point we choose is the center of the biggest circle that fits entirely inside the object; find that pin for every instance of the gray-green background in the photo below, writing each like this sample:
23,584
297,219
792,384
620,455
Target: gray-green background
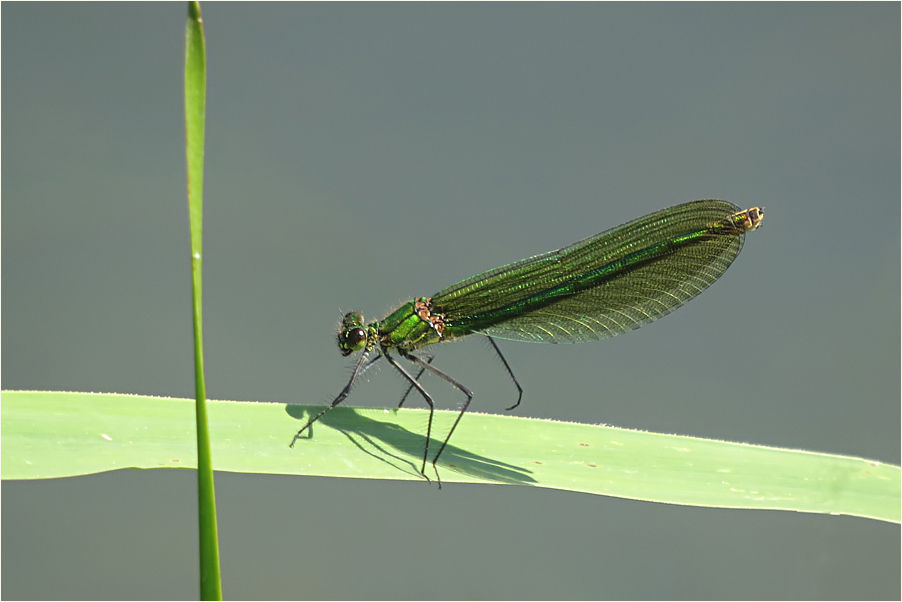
359,155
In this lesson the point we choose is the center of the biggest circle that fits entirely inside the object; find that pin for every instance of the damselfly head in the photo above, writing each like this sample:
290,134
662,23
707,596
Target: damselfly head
351,333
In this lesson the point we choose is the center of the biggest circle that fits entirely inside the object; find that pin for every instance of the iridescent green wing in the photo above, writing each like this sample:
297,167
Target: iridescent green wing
604,285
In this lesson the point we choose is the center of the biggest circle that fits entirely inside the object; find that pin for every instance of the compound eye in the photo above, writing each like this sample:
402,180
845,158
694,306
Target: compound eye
351,340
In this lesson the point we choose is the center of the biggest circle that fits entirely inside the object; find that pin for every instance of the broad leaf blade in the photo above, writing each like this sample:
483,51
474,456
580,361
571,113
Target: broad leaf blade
51,434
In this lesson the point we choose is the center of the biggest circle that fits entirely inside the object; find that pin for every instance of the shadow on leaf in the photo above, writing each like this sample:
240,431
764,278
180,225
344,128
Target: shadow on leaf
402,448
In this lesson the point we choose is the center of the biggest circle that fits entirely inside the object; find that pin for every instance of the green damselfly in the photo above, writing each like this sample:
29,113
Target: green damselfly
596,288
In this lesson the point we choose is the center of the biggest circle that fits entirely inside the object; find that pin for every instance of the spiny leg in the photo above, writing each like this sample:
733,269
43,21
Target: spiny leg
509,371
367,365
429,357
456,385
362,365
419,387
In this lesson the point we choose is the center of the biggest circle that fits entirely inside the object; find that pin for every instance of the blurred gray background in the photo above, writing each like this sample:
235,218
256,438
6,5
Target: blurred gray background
359,155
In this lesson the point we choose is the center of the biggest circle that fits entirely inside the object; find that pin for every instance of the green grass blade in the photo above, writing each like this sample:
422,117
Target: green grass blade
51,434
195,108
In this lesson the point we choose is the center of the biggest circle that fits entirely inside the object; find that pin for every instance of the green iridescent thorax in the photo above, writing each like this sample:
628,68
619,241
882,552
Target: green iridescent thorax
411,326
